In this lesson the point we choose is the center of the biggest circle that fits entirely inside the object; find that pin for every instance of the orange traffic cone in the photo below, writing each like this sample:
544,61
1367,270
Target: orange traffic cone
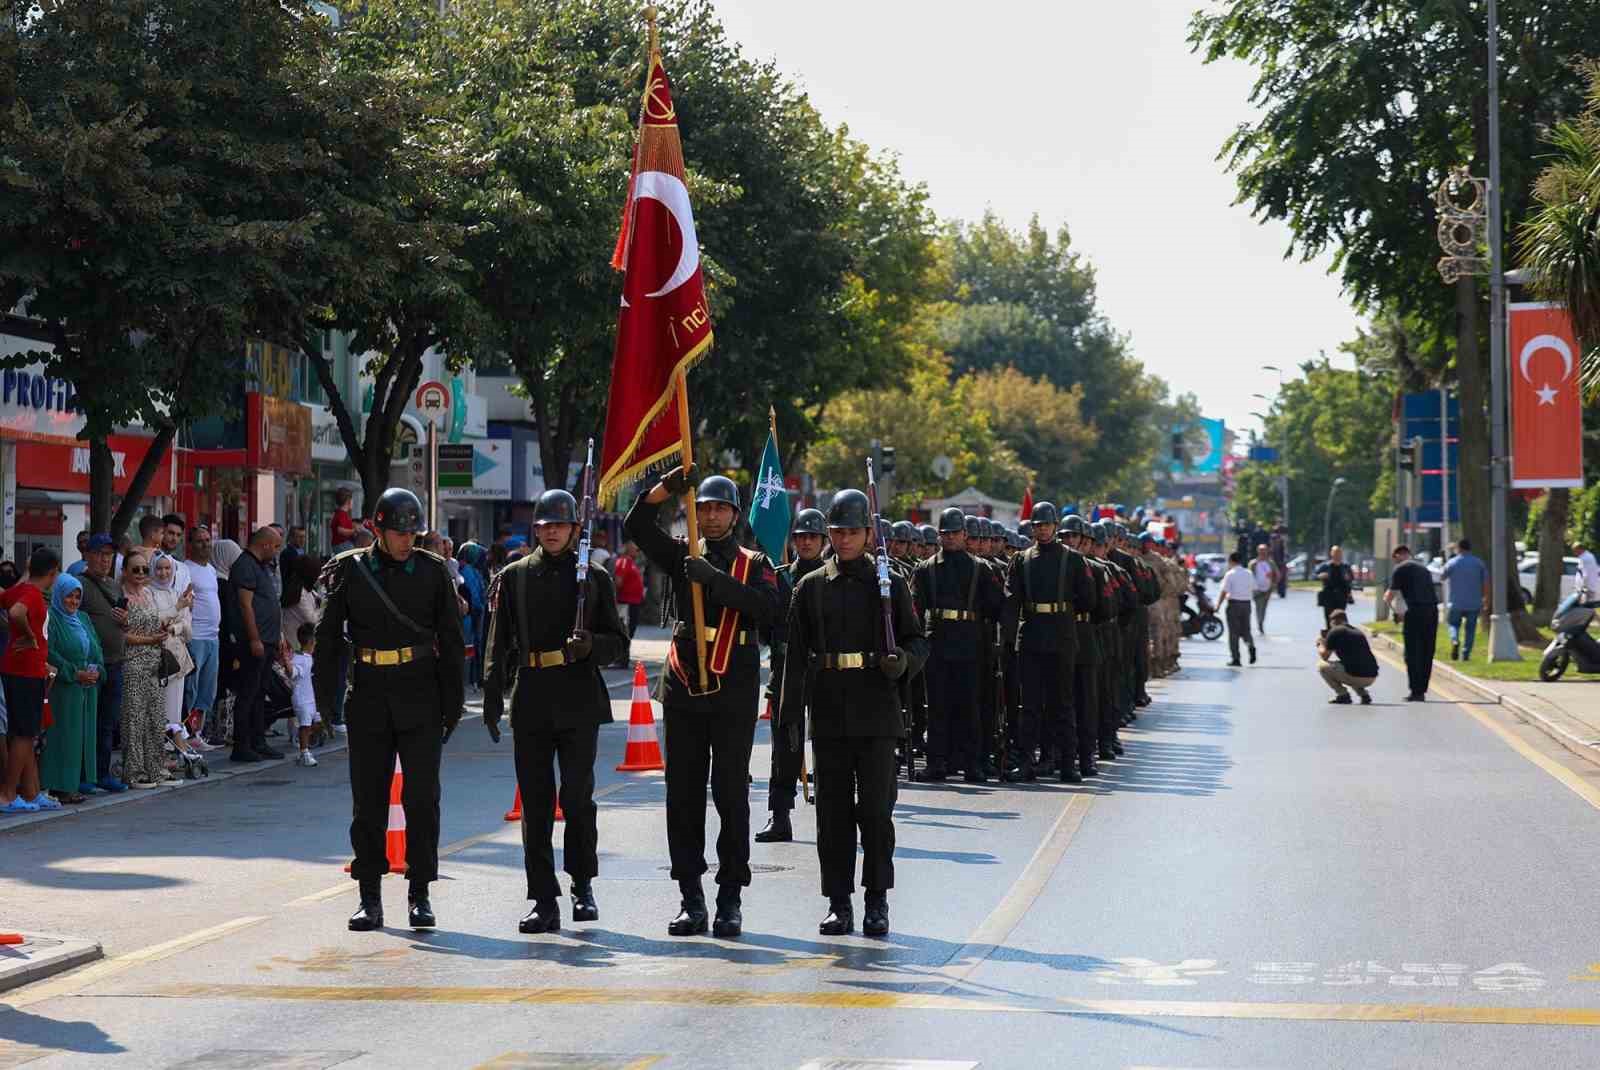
515,813
559,815
10,938
766,711
395,839
644,751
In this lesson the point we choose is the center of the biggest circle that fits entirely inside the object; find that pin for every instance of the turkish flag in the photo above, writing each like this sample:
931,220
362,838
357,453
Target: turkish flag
663,327
1546,409
1027,504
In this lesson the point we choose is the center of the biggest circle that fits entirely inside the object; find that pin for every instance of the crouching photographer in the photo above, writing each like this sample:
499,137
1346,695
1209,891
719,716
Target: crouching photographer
1347,660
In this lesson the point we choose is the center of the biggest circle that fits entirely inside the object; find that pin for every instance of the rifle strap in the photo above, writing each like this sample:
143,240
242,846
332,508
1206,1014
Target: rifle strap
388,603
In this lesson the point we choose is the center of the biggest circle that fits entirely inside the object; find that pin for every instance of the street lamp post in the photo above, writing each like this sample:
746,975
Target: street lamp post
1502,641
1327,515
1283,460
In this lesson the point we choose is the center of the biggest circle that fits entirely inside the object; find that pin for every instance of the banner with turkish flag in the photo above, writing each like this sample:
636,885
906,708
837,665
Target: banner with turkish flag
1546,406
1027,504
664,327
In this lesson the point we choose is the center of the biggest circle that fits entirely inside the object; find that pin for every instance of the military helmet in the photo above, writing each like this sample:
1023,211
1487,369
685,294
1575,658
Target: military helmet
810,522
1146,538
988,527
718,489
1073,524
1043,513
399,510
973,526
952,519
1025,528
930,534
555,507
903,531
1098,532
849,509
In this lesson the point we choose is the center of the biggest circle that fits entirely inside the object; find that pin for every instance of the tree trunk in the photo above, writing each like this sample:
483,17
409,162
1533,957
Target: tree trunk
1552,549
102,484
142,476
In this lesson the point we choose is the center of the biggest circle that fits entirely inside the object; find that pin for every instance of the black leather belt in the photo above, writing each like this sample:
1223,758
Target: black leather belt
867,660
1050,607
743,638
402,656
1081,618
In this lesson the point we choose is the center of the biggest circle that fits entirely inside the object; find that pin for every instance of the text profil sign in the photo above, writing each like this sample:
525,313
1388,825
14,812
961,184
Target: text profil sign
1546,409
433,402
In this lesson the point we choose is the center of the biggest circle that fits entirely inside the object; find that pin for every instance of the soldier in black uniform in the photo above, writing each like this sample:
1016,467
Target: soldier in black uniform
1086,649
991,668
955,591
1113,641
929,544
408,685
840,664
809,536
550,663
1046,585
709,733
1134,630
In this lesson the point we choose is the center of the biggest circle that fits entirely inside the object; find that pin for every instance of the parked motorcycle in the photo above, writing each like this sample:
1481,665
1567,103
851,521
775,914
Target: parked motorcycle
1201,618
1572,646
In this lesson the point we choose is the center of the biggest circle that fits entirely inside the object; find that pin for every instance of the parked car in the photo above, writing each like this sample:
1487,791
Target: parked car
1213,564
1528,575
1297,568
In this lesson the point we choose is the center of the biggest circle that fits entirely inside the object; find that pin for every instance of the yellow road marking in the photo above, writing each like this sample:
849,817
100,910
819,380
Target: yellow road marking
1009,912
1437,1014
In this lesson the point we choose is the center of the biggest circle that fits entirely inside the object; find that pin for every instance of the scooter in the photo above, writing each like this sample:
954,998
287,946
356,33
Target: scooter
1573,645
1203,620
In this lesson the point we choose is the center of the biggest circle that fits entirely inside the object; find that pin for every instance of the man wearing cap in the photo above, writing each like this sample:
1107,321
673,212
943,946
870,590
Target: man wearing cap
809,536
956,592
550,661
843,665
710,730
408,687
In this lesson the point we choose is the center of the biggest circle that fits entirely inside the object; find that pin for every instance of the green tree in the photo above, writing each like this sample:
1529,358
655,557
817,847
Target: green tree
1042,424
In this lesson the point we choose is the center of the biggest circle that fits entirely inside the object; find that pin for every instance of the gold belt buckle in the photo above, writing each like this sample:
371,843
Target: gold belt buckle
1044,607
547,659
711,635
385,657
849,661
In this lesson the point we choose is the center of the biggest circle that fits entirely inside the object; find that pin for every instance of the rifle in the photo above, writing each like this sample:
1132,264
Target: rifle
1002,757
885,592
585,533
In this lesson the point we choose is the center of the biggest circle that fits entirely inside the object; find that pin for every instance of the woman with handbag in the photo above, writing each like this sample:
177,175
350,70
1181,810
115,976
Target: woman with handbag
74,653
144,704
177,617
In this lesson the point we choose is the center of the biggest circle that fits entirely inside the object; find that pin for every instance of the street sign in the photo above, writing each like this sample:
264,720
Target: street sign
433,402
455,465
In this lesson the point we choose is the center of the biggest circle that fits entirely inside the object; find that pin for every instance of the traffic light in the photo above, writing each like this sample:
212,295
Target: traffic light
1177,446
888,460
1408,457
1416,454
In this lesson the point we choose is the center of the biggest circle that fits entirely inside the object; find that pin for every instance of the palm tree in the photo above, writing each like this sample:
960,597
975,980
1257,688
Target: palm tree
1560,250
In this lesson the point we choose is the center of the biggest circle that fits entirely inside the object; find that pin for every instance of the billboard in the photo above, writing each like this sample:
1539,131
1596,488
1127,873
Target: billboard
1197,450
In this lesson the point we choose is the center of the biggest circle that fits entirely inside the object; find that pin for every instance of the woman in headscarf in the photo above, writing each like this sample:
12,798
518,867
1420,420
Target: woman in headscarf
177,617
224,552
68,765
144,708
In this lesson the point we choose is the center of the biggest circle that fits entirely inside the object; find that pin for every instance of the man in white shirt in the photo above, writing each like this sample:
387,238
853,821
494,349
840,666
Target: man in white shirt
1264,574
1589,569
1238,591
200,686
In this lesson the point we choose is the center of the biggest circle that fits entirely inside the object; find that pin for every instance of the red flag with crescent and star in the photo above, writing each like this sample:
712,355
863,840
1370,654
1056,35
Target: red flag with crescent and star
663,327
1546,402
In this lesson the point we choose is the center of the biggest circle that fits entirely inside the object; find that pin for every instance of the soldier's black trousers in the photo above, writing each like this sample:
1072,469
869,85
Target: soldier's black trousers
372,753
952,713
1085,703
1141,653
715,746
539,746
785,775
1044,706
1110,689
857,783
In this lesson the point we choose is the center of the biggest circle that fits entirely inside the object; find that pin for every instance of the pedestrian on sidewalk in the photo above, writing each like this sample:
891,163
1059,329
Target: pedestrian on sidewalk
1588,570
1347,660
304,698
1412,600
630,584
67,766
1337,581
1238,591
1466,584
25,674
144,706
1264,573
103,602
200,686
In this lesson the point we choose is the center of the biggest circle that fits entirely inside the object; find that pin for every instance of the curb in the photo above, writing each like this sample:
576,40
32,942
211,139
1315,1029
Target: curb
1581,748
54,954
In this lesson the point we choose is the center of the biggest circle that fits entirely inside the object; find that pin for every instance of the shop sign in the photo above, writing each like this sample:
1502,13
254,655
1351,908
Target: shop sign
278,435
54,466
34,406
326,443
533,475
475,470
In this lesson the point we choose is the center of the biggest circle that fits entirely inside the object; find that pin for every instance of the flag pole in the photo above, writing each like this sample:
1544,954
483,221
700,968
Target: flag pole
772,426
696,596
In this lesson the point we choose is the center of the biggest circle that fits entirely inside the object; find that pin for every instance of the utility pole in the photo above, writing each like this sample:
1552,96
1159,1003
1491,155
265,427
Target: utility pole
1502,641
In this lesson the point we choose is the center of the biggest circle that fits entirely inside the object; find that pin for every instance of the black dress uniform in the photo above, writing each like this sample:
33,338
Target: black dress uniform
408,686
709,735
835,666
558,703
784,777
1086,656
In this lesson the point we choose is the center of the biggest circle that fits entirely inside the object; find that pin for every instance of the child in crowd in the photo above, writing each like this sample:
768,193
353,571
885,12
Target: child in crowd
305,700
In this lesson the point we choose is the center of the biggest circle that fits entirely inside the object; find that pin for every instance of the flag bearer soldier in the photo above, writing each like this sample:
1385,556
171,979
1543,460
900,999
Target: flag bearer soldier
956,591
710,733
1047,584
549,661
1086,648
809,536
408,685
840,664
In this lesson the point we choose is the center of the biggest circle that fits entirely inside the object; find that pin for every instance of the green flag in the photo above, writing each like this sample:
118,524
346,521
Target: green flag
769,502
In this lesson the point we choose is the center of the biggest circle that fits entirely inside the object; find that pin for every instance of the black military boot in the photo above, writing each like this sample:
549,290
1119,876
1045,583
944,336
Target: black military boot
691,919
544,917
1086,766
778,829
370,916
875,917
1068,770
841,919
584,908
729,922
421,912
1106,753
933,773
1116,747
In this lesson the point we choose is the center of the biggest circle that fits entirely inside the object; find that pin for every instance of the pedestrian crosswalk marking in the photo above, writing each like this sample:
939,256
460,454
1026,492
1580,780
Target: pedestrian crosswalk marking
539,1060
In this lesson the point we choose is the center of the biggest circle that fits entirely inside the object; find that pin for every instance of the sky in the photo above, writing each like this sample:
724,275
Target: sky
1093,115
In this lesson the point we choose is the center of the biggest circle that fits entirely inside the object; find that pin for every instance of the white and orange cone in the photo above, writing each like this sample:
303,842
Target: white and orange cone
395,838
644,750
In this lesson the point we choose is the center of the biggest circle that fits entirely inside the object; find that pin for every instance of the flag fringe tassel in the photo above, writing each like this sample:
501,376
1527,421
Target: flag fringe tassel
626,472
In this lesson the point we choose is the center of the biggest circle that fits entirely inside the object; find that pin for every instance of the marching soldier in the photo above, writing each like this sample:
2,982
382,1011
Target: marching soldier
956,591
929,544
809,535
1109,632
990,670
408,686
709,733
902,534
1086,649
549,661
1045,586
840,664
1149,588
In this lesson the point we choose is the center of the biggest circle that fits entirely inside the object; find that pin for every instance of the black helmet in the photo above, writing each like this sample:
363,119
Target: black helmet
849,509
399,510
989,527
718,489
1097,531
1043,513
973,525
1025,528
952,519
555,507
810,522
1073,524
1146,538
930,535
903,531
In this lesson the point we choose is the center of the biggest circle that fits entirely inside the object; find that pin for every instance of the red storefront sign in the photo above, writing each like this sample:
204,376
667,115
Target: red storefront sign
277,435
51,467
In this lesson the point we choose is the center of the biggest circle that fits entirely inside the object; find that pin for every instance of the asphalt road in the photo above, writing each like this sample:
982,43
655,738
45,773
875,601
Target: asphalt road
1265,881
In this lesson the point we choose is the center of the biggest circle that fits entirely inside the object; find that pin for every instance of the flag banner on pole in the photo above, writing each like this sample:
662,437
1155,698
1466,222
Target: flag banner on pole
1027,505
769,503
1546,409
663,327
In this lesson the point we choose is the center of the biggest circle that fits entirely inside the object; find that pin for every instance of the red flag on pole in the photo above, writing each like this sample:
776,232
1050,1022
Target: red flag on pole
664,327
1546,409
1027,504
